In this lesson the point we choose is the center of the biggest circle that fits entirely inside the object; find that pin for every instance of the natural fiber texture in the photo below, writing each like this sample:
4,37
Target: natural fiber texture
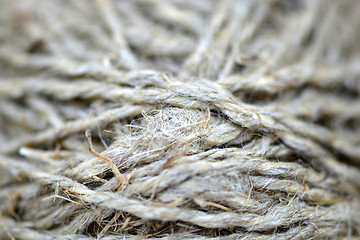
203,119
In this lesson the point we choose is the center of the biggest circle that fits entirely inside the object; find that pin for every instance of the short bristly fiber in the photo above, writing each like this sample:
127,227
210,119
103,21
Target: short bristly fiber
171,119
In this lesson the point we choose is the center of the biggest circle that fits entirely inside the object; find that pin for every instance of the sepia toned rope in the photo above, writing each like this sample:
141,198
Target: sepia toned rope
209,119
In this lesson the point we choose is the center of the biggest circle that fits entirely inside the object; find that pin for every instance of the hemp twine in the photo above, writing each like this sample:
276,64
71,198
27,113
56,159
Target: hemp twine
176,119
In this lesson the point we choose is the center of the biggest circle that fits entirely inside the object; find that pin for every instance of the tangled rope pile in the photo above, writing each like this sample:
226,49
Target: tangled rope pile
178,119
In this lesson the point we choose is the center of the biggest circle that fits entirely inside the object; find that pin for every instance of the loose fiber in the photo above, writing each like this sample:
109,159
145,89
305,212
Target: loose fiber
169,119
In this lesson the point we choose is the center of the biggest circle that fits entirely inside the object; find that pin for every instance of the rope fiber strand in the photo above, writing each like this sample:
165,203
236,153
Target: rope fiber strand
147,119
